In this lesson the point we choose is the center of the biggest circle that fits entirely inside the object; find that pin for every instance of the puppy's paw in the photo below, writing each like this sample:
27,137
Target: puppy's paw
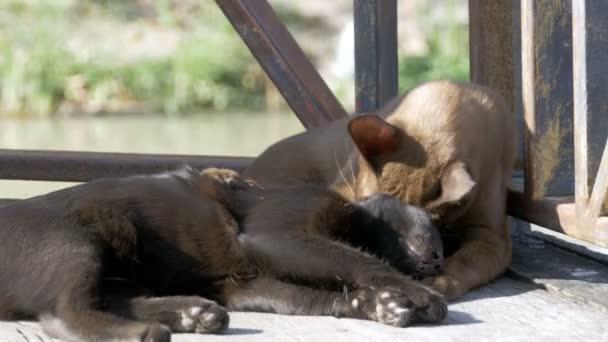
400,306
204,319
430,306
392,308
227,178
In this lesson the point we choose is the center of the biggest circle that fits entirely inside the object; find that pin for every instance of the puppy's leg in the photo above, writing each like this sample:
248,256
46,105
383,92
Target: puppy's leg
311,257
76,316
180,313
265,294
485,250
483,256
384,305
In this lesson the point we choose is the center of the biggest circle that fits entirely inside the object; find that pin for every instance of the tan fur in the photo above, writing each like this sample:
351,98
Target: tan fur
455,159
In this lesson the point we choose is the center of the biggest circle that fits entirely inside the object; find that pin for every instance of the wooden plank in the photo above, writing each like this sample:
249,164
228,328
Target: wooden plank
491,46
376,65
85,166
579,71
284,61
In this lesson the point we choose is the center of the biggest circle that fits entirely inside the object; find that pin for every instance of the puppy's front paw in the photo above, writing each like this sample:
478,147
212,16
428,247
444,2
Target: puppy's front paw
208,318
229,179
391,308
399,307
430,306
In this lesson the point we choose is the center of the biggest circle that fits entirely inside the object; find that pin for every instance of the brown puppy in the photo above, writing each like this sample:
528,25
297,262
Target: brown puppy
446,146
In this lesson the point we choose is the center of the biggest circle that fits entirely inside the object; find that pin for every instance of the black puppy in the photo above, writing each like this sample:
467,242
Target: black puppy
87,260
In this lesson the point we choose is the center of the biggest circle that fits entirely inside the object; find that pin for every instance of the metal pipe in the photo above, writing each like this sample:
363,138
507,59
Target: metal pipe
85,166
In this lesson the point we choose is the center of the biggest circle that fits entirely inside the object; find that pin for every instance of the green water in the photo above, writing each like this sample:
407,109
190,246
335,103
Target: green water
238,134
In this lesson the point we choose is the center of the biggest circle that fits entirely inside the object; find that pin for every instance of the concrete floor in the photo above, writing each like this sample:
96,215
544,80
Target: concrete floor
550,294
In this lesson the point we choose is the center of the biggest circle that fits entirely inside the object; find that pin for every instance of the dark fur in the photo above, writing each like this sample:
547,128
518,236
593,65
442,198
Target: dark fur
86,260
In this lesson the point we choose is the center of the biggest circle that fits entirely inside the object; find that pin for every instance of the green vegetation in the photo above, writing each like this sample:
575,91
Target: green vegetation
48,66
448,52
442,61
39,75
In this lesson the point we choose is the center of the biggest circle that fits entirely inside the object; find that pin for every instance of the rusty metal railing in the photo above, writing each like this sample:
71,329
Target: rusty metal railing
276,51
283,61
85,166
560,147
286,65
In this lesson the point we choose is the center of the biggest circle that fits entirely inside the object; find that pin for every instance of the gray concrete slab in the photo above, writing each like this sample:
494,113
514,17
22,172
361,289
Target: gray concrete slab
506,310
583,279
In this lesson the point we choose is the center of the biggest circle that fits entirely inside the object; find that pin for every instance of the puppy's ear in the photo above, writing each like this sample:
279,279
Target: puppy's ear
374,136
456,184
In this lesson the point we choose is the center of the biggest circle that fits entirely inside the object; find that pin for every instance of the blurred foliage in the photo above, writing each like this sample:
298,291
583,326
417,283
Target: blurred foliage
210,68
41,74
448,51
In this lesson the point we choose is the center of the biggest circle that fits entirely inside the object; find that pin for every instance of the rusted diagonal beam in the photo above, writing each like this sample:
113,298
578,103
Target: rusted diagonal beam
284,61
85,166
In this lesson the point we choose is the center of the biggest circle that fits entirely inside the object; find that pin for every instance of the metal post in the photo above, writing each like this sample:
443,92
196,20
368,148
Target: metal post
376,64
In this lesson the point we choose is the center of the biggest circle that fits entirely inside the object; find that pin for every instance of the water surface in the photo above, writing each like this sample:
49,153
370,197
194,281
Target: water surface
237,134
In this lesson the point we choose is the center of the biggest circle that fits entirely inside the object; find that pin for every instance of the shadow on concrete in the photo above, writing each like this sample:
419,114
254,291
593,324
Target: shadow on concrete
506,286
242,331
541,264
460,318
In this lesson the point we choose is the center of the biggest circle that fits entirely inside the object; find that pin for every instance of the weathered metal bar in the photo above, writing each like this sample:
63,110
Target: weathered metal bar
284,61
528,98
551,160
579,73
376,64
5,201
517,83
491,46
543,212
495,54
558,214
86,166
596,25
